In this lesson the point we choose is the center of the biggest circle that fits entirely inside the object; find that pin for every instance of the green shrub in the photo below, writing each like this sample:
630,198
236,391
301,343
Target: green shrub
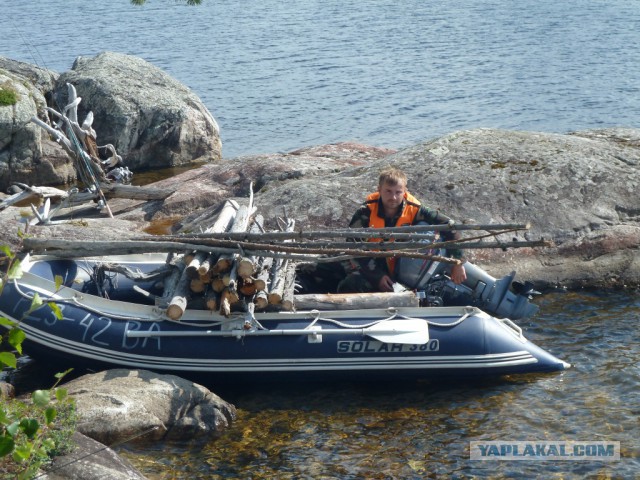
30,432
8,95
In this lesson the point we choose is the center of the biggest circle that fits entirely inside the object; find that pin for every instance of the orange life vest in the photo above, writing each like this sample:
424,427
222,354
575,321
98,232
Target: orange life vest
408,214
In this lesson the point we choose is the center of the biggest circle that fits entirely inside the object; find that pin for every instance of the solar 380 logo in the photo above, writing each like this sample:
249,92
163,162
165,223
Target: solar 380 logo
373,346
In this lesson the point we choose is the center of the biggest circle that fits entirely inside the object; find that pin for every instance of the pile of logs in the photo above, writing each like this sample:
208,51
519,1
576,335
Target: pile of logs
218,281
265,277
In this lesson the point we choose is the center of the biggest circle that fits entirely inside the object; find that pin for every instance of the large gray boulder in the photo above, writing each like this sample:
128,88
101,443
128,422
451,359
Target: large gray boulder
153,120
114,405
27,155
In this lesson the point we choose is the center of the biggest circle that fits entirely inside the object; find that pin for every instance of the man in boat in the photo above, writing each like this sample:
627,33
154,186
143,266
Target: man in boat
392,206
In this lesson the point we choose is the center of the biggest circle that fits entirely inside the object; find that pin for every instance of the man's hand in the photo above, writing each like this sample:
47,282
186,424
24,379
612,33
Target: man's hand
385,284
458,273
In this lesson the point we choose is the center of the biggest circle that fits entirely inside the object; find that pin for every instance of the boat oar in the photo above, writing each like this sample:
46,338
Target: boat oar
404,331
408,331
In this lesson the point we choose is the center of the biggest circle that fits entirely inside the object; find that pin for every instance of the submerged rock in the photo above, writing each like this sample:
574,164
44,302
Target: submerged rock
90,460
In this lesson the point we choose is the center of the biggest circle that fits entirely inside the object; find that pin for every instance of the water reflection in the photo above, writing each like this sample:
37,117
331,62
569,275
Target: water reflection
423,430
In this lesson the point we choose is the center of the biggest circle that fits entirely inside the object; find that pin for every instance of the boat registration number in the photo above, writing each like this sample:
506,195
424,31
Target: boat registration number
373,346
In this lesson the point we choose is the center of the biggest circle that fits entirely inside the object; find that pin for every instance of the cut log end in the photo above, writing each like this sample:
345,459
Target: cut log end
175,311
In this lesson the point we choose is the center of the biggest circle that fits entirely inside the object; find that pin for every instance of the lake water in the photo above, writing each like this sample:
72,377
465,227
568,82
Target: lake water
423,430
281,75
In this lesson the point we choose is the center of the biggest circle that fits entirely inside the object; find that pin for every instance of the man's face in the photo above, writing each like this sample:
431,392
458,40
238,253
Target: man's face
392,194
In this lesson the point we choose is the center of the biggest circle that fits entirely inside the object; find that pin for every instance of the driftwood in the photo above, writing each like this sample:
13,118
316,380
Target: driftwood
287,301
230,294
194,265
31,194
191,280
261,300
118,190
220,219
180,298
211,299
55,200
239,224
264,271
225,218
247,265
279,272
420,242
217,283
347,301
247,287
237,221
197,286
79,140
84,248
206,277
276,287
231,284
170,284
205,266
224,262
398,233
260,273
227,299
78,137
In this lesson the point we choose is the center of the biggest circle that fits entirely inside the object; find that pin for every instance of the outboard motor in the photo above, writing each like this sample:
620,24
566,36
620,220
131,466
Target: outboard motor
502,298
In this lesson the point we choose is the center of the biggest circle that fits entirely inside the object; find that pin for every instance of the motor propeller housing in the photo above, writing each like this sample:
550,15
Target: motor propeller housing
500,297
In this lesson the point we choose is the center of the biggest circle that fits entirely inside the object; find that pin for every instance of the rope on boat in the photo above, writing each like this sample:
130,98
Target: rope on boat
394,314
74,301
253,321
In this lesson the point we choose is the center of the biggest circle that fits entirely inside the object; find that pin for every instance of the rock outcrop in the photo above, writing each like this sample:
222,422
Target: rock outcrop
114,405
27,155
578,191
210,184
153,120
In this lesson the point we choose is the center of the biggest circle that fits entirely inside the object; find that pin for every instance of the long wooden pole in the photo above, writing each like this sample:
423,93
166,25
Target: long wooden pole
82,248
405,233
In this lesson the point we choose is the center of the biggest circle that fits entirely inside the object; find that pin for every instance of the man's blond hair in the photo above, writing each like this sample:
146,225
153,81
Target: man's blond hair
392,176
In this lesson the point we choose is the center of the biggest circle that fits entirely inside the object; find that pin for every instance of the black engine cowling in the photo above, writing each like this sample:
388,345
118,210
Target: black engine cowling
500,297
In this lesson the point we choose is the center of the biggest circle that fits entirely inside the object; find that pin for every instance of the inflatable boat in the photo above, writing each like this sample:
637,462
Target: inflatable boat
95,317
